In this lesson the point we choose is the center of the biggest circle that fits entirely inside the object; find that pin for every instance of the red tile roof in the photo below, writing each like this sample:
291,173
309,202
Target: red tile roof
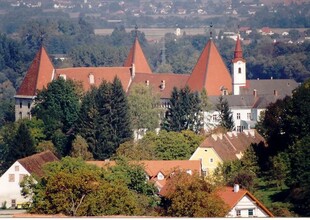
38,76
136,56
34,163
238,51
210,72
231,143
82,74
155,80
231,198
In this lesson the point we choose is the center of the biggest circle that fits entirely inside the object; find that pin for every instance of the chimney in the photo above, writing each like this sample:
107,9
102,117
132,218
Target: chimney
163,84
255,92
275,92
133,71
236,188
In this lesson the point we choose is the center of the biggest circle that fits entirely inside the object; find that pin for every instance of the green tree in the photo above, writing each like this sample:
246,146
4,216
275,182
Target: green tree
104,119
80,148
191,196
226,117
58,106
144,109
184,111
75,188
22,144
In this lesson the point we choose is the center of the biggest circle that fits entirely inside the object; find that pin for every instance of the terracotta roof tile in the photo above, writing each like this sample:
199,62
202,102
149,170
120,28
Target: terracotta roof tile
155,80
83,74
39,74
137,57
228,145
231,198
210,72
34,163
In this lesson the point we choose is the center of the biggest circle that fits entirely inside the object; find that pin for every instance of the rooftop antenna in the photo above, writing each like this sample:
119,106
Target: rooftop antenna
211,26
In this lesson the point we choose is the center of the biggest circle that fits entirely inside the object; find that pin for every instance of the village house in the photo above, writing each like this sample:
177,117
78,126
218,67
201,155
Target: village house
247,98
10,190
159,171
242,203
221,147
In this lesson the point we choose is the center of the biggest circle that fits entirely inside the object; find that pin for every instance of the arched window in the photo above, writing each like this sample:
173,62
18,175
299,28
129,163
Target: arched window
239,70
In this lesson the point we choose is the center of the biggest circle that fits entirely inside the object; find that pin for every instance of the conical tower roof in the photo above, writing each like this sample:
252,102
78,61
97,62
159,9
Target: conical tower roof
137,57
38,76
238,51
210,72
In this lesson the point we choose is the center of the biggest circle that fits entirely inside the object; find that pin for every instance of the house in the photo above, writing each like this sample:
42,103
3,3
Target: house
159,171
242,203
247,98
217,148
10,191
266,31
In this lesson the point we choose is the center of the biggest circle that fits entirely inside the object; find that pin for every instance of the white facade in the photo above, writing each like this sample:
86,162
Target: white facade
10,191
23,106
247,207
239,76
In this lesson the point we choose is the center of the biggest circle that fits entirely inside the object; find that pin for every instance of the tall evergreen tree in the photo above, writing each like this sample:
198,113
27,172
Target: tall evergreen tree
104,119
226,117
185,111
23,144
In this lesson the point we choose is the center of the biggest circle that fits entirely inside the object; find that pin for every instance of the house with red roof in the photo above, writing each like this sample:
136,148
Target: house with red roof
242,203
159,171
10,191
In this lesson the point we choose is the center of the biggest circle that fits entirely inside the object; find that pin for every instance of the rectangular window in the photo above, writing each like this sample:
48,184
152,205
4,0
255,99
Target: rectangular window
28,105
214,117
13,203
11,177
250,212
211,160
248,115
20,104
16,168
238,212
21,177
238,115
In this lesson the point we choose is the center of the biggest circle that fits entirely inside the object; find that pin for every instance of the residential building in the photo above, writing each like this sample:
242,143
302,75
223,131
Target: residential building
242,203
10,190
221,147
159,171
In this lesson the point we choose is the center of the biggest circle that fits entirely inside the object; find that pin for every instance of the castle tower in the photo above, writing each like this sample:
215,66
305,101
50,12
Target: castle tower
136,58
210,72
40,73
238,68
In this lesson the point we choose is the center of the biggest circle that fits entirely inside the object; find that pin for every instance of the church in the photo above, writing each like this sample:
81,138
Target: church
246,98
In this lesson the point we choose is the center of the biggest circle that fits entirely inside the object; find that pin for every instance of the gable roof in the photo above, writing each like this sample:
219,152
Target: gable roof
210,72
231,144
153,167
39,74
155,81
137,57
34,163
232,198
82,74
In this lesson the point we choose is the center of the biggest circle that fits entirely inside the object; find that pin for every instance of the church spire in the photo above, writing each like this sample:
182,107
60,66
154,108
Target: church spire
238,48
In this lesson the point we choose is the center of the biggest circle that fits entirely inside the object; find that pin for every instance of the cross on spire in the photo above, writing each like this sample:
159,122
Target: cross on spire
136,30
211,26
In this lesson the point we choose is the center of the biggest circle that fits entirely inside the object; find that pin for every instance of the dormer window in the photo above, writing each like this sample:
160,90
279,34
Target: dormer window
91,79
160,176
63,76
